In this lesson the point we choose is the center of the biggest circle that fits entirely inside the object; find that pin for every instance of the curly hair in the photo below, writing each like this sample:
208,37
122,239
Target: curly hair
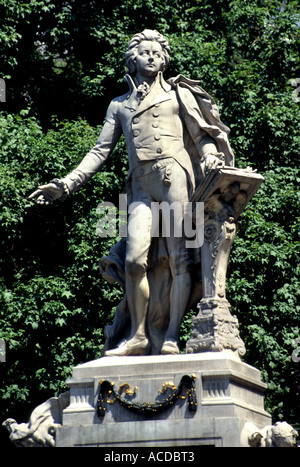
146,35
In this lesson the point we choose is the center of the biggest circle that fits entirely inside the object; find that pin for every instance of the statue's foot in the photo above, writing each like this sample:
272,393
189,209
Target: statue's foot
131,347
169,347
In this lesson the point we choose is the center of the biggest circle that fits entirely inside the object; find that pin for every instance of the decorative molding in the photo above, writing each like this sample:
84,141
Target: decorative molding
215,388
215,329
107,390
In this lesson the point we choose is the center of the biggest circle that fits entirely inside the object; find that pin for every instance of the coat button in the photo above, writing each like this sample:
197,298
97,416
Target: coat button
155,114
155,125
159,150
136,132
138,146
135,120
156,137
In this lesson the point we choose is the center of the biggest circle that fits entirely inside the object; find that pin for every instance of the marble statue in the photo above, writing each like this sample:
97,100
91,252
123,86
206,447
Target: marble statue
279,435
178,153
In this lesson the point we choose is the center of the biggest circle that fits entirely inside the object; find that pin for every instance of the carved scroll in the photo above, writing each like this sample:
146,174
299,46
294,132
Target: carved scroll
225,194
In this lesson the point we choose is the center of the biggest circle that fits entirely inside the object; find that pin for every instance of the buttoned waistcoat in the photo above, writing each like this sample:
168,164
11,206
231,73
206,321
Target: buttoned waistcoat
153,128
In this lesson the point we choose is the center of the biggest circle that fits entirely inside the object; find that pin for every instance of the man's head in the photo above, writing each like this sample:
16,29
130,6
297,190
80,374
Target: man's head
146,35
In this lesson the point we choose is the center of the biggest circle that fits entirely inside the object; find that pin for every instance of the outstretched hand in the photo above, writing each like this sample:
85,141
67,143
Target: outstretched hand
47,193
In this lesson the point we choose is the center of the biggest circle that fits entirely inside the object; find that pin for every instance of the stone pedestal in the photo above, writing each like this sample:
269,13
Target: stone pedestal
229,394
215,329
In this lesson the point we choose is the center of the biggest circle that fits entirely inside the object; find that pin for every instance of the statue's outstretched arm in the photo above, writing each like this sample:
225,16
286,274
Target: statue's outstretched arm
89,166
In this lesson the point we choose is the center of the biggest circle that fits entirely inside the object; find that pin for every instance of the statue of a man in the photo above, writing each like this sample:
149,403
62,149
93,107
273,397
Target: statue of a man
174,137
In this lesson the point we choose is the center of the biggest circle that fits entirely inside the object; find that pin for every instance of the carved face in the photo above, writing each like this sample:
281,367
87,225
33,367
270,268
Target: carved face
149,59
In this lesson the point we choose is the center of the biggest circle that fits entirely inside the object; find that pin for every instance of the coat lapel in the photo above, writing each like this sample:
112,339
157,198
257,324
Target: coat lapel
157,95
151,100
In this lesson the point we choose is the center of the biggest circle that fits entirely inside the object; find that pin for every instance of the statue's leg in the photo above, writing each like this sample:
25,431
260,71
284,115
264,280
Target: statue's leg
179,298
177,195
136,282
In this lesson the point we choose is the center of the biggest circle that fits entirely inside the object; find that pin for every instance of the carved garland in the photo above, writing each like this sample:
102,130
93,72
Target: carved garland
106,389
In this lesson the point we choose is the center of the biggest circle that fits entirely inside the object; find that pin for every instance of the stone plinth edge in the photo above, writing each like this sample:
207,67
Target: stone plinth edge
229,394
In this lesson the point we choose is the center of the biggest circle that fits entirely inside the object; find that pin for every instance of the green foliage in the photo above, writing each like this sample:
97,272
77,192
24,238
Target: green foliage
53,300
263,287
63,62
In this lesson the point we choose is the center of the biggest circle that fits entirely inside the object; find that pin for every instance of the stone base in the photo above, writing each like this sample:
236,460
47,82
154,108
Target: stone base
215,329
229,394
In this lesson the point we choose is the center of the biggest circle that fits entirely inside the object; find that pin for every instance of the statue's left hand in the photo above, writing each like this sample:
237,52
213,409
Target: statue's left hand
212,162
